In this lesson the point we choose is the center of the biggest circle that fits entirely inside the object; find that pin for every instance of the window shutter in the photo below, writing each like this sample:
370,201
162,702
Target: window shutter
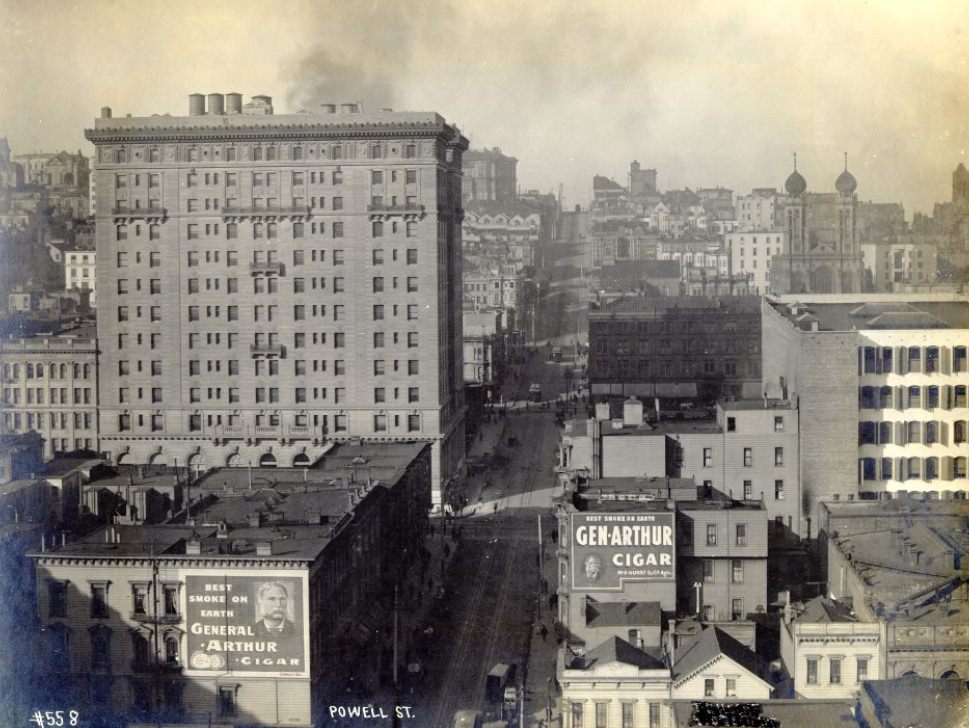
900,395
943,433
901,469
900,433
902,360
945,359
945,467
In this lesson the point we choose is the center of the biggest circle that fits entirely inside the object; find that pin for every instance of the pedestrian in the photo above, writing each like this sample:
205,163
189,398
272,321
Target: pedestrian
543,630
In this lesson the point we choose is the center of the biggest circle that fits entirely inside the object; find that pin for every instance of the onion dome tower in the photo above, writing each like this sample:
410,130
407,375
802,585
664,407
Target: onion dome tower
846,183
795,184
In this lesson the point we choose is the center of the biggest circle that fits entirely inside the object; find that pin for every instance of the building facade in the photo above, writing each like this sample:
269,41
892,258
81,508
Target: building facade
80,272
231,246
50,386
489,176
820,229
676,347
752,253
900,364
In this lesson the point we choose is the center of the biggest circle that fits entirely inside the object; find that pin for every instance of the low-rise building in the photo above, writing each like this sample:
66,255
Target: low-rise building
827,651
79,271
49,384
899,564
893,265
713,665
483,348
254,609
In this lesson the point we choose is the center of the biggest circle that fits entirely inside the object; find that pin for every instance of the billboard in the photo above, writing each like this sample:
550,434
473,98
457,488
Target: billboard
254,624
611,548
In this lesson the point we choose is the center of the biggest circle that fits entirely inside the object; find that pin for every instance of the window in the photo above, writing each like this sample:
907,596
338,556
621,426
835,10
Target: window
337,227
835,671
170,594
577,715
737,571
413,394
748,457
227,701
57,599
711,534
731,424
627,715
654,715
378,285
171,649
736,609
379,395
139,598
377,228
708,687
748,490
380,423
861,669
412,256
778,456
731,687
413,423
412,367
708,572
708,457
778,490
411,284
741,531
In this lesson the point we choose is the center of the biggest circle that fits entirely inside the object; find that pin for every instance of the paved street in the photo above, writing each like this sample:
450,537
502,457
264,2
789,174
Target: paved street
493,585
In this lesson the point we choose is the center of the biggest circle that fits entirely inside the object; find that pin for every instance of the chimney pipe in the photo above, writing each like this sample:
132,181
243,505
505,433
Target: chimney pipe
105,112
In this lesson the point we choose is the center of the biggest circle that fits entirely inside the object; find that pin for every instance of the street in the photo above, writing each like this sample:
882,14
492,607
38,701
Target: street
492,590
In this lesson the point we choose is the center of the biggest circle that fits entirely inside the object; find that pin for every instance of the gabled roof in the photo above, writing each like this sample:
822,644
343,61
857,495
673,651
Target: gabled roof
824,610
622,614
616,649
604,183
707,646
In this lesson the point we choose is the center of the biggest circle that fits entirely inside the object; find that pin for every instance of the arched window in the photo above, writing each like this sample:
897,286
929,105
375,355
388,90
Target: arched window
885,433
959,398
171,649
915,468
30,370
959,467
267,461
915,396
63,371
868,469
39,370
87,371
868,400
16,371
77,371
931,432
270,153
257,154
886,468
913,432
139,646
931,468
885,397
959,432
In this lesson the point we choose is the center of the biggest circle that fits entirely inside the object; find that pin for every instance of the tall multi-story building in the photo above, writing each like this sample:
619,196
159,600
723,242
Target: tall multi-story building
758,210
900,366
270,283
489,176
900,264
50,386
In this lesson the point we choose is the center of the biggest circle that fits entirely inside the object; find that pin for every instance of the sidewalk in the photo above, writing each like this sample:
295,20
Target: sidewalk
541,688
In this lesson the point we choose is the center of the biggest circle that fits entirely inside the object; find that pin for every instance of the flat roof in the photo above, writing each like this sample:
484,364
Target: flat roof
684,305
898,314
905,554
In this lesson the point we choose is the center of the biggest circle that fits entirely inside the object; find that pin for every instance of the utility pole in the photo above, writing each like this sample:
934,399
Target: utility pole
396,681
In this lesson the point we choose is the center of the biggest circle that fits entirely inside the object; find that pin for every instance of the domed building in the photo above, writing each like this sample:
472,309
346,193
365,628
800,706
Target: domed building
822,254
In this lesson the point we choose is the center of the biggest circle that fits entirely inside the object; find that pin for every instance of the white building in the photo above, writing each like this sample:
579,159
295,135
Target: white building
79,271
713,665
751,253
827,651
893,266
757,210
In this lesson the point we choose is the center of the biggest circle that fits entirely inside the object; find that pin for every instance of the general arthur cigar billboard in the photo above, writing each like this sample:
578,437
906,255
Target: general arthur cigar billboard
611,548
254,624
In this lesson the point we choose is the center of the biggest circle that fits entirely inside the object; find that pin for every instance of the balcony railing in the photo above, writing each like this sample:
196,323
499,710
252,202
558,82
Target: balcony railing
291,211
231,431
267,349
267,430
391,209
299,430
140,212
275,268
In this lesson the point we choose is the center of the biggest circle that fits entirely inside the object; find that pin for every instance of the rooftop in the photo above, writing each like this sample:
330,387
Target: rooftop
680,305
616,649
772,714
824,610
621,614
918,702
909,555
887,314
708,645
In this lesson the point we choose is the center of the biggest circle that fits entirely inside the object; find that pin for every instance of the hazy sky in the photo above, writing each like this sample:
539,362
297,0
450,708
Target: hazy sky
708,93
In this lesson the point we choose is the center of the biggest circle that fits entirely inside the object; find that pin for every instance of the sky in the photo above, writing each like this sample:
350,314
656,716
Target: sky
708,93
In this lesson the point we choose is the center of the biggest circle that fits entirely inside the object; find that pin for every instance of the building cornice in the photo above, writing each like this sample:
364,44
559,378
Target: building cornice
259,132
169,560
